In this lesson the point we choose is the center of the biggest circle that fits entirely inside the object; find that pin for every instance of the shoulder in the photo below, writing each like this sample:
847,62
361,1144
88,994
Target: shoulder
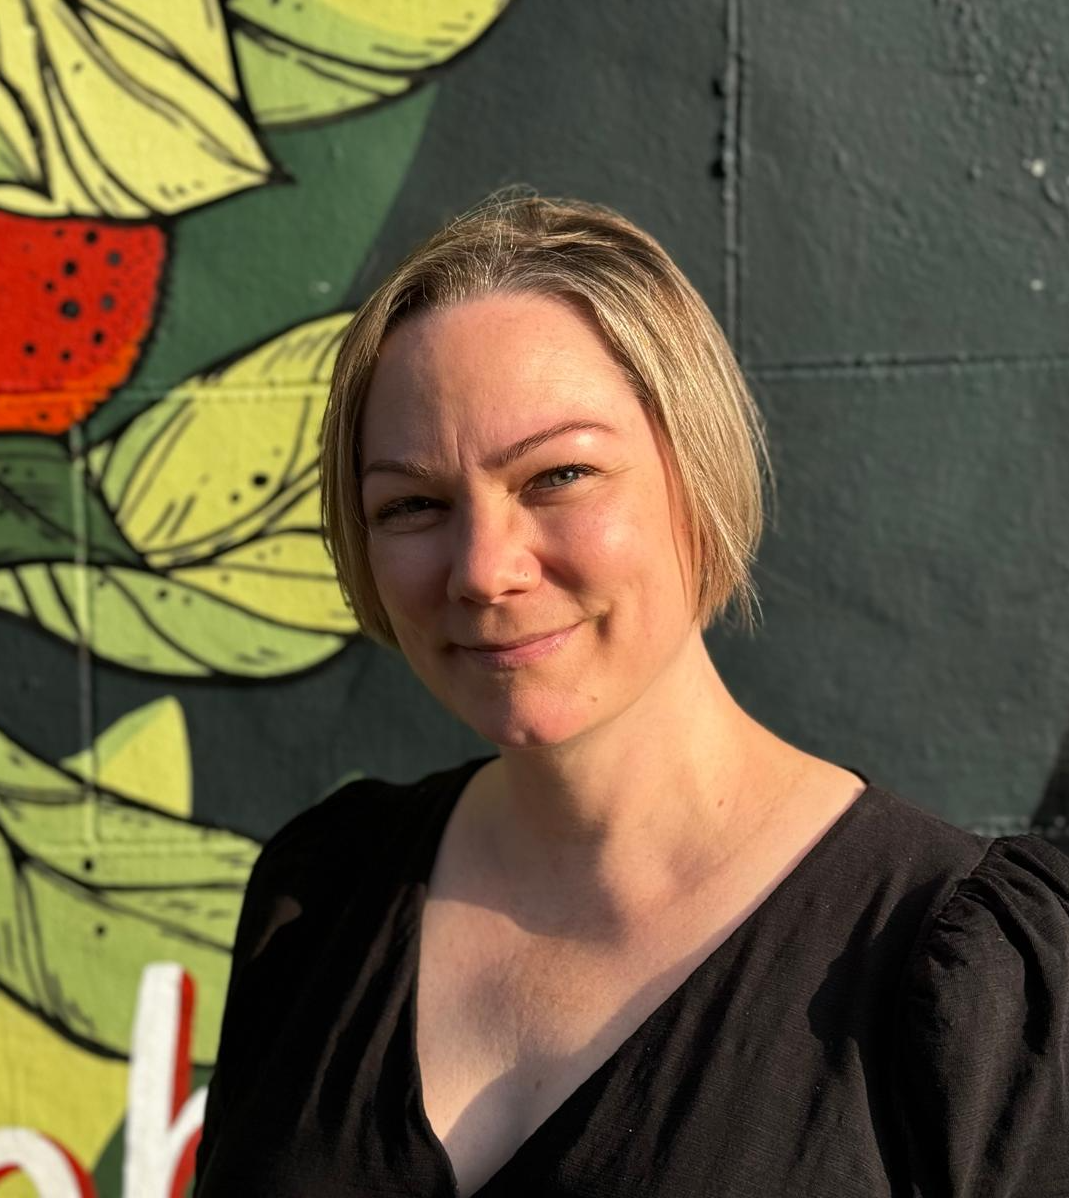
984,1027
349,840
1010,911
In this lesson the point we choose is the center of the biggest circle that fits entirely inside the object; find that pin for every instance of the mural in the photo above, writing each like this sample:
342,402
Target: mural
195,195
178,537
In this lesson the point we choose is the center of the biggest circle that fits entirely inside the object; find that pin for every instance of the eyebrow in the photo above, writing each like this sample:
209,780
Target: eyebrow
504,458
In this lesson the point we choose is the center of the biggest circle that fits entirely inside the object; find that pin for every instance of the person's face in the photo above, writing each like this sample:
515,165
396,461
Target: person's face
514,489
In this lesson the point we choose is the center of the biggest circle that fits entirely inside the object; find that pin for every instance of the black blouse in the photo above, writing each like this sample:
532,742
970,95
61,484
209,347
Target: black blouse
893,1019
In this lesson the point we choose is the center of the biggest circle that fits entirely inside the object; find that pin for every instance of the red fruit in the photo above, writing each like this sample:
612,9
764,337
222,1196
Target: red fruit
77,300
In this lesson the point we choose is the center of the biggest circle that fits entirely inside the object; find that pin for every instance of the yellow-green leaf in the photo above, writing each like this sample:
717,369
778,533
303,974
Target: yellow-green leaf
93,950
313,59
211,464
194,33
19,161
287,576
94,887
135,117
103,840
24,775
157,625
144,755
213,494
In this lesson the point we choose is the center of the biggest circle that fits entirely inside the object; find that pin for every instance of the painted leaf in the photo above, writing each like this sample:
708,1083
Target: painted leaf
324,57
211,497
288,576
214,462
92,946
44,511
152,624
94,887
19,161
144,755
134,107
51,815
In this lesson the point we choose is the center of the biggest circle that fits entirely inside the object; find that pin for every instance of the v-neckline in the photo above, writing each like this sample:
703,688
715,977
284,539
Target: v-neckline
449,797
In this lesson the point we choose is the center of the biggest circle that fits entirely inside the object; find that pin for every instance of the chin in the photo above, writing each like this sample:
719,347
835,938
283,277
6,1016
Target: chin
521,726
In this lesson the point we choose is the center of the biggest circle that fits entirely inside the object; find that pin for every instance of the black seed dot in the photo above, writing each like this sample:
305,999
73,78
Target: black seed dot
70,309
235,496
90,238
70,267
43,417
259,480
59,232
65,355
107,302
87,865
98,337
114,258
50,286
224,577
100,929
29,348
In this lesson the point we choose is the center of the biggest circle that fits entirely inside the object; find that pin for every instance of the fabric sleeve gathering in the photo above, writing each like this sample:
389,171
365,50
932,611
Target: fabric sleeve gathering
984,1032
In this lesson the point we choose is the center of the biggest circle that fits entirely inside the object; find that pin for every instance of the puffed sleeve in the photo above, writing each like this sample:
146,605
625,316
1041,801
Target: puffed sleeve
983,1032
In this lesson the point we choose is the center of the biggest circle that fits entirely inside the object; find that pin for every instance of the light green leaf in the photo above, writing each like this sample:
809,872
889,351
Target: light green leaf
94,887
28,777
151,623
19,161
213,495
134,105
194,33
287,576
211,465
319,58
93,946
144,755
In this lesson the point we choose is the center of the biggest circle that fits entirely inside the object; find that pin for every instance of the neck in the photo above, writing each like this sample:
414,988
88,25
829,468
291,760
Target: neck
604,825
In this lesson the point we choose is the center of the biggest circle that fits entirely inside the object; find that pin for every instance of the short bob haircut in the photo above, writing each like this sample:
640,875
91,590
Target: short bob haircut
654,323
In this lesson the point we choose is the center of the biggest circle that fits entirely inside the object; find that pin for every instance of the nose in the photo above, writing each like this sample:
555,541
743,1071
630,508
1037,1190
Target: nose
491,555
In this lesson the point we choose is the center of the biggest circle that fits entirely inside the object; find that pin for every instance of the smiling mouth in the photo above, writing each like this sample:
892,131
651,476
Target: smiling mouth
518,653
489,647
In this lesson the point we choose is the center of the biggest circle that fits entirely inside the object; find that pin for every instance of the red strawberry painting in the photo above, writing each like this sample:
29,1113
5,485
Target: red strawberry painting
77,300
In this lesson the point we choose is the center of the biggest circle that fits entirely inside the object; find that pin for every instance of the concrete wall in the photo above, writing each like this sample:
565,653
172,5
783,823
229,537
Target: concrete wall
871,197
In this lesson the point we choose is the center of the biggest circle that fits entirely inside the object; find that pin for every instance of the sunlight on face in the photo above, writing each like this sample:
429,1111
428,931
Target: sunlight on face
522,533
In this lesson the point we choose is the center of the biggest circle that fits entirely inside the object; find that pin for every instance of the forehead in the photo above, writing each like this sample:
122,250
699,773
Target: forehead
490,369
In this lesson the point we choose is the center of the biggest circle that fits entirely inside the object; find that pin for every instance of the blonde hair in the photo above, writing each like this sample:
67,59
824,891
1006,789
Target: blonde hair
653,321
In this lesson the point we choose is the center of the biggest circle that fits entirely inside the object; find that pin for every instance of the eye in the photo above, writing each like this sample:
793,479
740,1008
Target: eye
411,505
560,473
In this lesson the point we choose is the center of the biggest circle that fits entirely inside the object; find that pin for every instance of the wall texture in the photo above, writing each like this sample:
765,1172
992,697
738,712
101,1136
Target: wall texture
193,198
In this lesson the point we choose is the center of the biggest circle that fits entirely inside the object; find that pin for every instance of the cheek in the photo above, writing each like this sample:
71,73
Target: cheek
613,545
403,570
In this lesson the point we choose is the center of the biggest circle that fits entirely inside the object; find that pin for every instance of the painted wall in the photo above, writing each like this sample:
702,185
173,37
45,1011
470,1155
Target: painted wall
193,198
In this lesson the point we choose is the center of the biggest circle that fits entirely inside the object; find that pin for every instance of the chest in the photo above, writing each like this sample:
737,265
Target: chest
510,1025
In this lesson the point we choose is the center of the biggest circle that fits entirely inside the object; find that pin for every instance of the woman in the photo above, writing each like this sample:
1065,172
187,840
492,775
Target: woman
647,946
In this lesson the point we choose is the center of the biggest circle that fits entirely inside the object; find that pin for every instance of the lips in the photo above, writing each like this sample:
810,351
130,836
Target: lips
498,646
